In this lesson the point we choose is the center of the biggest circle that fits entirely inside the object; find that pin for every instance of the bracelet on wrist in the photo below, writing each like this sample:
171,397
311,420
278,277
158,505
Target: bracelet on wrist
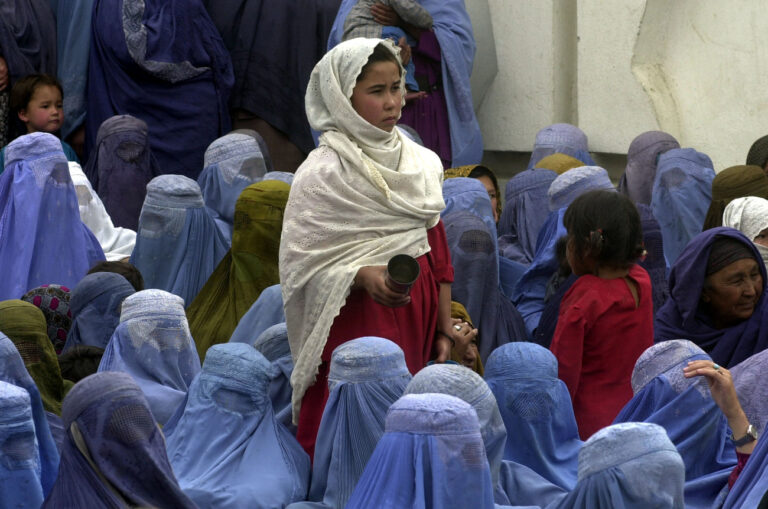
453,342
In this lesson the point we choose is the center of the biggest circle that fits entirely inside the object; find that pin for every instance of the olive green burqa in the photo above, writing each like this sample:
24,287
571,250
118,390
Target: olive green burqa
731,183
25,325
250,266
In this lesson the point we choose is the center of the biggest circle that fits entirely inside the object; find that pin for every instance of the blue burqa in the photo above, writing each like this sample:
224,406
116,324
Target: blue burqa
164,62
114,452
653,261
627,466
263,314
273,344
685,409
467,385
525,210
178,244
750,488
453,30
227,449
366,377
232,163
537,406
95,305
42,239
431,456
19,456
13,371
475,283
560,139
683,317
682,192
153,345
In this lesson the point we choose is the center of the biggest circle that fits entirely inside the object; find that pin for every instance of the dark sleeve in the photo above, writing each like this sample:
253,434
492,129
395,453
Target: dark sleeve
428,45
439,254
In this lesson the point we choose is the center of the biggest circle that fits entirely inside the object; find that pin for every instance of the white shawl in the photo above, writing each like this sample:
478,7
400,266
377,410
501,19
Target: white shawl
363,196
750,216
116,242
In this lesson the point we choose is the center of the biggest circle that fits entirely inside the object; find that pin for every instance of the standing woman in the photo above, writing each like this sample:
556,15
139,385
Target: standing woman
365,194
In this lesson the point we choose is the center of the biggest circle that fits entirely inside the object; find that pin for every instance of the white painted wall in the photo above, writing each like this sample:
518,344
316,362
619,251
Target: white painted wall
697,69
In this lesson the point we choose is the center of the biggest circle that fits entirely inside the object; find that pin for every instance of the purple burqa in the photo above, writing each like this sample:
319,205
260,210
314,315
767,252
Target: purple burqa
681,316
642,157
120,168
113,453
42,239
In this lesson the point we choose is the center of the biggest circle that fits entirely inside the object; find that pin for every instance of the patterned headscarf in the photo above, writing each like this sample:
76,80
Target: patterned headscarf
53,301
731,183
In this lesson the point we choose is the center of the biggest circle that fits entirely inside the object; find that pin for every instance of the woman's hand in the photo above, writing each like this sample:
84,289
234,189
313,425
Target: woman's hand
373,279
405,51
385,15
463,336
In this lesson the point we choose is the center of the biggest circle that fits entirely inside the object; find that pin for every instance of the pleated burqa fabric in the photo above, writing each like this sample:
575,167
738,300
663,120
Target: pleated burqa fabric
249,267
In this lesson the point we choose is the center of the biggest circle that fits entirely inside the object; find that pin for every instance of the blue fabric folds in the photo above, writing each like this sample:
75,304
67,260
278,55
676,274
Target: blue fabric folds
685,409
682,192
273,344
366,377
573,183
178,244
165,63
467,385
476,282
13,371
114,453
748,379
627,466
537,406
654,262
560,139
525,210
153,345
95,305
263,314
453,30
227,449
469,195
750,488
431,455
232,163
680,316
42,239
19,457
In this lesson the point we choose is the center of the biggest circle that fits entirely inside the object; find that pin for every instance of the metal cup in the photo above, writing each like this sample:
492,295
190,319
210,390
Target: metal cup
402,272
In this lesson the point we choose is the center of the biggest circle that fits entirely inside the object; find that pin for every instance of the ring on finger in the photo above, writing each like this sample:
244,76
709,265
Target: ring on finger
457,327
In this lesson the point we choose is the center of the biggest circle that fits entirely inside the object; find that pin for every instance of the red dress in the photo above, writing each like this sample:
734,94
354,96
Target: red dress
600,334
412,327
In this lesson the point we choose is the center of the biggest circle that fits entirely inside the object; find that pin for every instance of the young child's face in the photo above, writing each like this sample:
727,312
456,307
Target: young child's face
378,97
44,113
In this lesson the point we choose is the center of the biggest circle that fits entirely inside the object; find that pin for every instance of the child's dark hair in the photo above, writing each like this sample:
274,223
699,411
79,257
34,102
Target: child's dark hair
606,226
125,269
380,54
24,89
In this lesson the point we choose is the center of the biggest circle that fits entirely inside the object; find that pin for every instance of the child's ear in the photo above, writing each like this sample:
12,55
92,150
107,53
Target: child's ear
23,115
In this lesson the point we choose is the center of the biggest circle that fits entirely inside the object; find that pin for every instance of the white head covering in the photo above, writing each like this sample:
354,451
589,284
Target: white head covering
363,196
748,215
116,242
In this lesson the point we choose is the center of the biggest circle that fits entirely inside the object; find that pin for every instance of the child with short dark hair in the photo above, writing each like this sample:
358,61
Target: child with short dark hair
36,100
606,318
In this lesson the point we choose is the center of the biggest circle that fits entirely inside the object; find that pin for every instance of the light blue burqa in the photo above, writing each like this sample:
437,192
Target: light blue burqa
13,371
560,139
273,345
453,30
430,456
263,314
154,346
19,457
178,244
42,239
227,449
232,163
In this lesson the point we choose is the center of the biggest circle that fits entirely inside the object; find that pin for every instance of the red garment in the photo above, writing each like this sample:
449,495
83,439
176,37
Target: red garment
741,459
412,327
599,336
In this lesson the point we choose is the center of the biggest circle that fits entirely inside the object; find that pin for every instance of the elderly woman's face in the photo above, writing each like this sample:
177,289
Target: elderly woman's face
733,291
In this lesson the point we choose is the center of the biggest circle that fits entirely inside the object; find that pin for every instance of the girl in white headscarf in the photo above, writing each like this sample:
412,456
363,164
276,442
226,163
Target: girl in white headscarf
750,216
365,194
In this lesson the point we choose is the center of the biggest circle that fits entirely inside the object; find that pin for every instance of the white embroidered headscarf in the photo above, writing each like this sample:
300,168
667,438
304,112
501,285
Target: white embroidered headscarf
363,196
750,216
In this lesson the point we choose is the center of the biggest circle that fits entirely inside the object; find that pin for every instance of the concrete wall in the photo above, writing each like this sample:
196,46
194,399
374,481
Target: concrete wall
694,68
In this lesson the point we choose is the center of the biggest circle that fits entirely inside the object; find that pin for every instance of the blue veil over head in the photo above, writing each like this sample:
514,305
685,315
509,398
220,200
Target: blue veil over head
19,457
114,452
42,239
685,409
178,244
273,344
226,448
367,375
536,405
154,346
560,139
431,455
